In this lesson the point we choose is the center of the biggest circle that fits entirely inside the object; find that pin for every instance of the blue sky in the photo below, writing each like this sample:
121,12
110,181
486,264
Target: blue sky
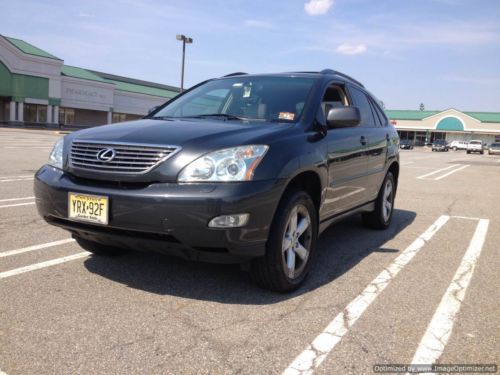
444,53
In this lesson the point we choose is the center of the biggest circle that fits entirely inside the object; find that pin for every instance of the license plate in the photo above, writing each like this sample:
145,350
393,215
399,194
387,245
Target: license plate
89,208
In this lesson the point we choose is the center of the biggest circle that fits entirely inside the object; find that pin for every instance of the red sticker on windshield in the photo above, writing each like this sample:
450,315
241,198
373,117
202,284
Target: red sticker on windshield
286,116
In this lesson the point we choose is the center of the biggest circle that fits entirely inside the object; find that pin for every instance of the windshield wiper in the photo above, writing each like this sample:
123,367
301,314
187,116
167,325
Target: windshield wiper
160,118
222,115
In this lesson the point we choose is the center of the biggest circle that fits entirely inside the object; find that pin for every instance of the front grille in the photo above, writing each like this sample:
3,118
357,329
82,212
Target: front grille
129,158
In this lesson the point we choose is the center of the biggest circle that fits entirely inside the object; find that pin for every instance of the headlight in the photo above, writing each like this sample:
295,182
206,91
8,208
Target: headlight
231,164
56,156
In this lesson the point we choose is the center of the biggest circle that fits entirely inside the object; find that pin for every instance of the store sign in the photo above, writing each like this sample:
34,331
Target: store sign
70,91
87,93
497,138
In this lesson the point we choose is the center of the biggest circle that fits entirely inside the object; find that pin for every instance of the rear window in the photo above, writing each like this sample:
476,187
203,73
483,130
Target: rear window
475,142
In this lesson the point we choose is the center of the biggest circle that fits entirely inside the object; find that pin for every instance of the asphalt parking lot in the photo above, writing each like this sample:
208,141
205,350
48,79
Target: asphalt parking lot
424,291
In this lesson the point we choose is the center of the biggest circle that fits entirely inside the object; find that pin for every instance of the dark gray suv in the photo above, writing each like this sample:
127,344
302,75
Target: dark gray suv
243,168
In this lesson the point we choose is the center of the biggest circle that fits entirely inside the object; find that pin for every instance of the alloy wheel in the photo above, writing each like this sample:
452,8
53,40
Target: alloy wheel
296,242
387,200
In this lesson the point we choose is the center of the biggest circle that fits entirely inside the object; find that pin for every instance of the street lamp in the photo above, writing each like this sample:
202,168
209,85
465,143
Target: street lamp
184,40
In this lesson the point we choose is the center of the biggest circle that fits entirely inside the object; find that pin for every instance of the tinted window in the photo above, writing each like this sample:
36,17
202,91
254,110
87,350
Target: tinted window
361,101
380,113
376,116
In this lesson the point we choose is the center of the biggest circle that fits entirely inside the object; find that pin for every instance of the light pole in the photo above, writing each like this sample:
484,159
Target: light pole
184,40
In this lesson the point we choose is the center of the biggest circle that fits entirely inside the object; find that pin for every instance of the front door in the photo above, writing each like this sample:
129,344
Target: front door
347,160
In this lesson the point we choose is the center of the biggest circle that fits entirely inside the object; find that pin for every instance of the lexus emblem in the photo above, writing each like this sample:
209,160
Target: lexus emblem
106,155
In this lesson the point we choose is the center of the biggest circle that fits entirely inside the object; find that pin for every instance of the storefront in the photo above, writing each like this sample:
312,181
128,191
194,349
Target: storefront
37,88
424,127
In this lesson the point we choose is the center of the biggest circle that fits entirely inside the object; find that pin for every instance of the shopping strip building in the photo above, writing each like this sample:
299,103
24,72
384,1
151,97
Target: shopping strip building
424,127
36,87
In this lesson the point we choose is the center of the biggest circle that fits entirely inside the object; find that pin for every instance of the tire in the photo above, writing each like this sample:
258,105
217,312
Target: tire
97,248
285,270
381,217
482,152
468,152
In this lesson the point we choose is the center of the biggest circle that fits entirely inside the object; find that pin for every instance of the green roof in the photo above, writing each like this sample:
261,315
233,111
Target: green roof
29,48
420,115
141,89
408,114
75,72
136,86
485,116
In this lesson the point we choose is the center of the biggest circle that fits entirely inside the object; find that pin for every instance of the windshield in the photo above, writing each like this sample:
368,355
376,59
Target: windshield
279,99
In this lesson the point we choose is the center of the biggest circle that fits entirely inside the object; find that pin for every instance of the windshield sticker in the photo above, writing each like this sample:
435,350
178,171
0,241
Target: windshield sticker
286,116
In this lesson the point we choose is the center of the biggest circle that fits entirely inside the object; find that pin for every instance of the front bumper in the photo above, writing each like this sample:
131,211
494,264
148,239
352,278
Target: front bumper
167,217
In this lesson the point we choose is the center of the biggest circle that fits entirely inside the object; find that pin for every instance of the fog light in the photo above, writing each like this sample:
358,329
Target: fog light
229,221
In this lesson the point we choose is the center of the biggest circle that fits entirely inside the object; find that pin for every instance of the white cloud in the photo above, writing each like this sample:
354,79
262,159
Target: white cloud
317,7
86,15
258,24
351,49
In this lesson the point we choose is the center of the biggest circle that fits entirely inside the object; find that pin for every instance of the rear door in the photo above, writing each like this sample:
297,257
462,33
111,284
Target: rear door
376,128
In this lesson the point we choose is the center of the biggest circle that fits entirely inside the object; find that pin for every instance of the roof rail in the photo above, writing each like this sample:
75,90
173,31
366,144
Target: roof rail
235,74
334,72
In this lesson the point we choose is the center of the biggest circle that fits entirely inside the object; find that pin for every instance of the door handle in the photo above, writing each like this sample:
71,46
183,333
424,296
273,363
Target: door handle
362,140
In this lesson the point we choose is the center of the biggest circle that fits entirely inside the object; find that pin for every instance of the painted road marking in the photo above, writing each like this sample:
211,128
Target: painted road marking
457,167
17,204
439,170
45,264
8,253
16,199
307,361
8,177
439,330
453,171
17,179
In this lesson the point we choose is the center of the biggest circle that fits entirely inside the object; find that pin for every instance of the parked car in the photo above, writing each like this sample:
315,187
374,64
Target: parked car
494,149
242,168
440,145
406,144
475,146
458,145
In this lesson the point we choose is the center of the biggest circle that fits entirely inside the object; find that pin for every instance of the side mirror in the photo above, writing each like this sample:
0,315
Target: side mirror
343,117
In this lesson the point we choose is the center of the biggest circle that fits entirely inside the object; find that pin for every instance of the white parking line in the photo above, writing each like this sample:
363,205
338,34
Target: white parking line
453,171
8,253
307,361
8,177
439,170
16,199
45,264
439,330
17,179
17,204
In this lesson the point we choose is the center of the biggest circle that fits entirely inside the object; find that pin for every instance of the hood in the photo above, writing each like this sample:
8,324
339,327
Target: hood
195,137
183,133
